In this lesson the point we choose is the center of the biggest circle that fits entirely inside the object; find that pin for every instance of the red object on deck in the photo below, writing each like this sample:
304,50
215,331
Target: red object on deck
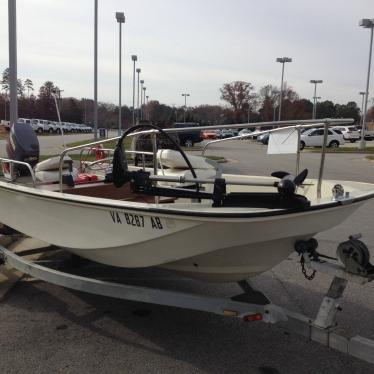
85,178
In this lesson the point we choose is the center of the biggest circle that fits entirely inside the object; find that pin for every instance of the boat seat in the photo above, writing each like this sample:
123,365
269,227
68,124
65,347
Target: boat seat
47,171
174,160
177,166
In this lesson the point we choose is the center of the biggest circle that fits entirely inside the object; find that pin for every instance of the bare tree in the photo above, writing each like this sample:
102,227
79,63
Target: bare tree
240,96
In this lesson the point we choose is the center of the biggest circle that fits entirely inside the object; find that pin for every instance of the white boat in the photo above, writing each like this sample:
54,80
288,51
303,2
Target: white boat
230,228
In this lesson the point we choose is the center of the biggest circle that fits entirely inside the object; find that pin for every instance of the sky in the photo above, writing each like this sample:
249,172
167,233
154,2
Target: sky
193,46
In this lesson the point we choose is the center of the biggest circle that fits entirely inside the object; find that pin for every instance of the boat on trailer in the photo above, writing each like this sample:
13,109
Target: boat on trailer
182,213
138,216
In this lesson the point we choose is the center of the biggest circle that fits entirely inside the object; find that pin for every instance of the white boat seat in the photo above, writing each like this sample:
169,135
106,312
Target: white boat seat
177,166
47,171
53,163
53,175
174,160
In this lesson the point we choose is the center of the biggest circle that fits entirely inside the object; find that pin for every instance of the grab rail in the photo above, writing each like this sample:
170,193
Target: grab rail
11,169
281,126
325,124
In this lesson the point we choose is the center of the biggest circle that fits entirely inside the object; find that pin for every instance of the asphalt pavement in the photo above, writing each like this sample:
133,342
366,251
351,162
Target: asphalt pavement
49,329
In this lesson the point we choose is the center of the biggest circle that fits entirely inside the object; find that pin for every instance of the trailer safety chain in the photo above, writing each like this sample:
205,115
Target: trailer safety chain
303,269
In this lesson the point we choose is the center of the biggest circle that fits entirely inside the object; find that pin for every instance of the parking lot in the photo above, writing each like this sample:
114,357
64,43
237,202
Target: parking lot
45,328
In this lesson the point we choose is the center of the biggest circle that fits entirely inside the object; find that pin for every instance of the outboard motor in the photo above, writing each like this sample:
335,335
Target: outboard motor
23,145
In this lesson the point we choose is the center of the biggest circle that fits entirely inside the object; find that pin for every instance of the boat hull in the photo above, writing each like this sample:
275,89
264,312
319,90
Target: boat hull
213,248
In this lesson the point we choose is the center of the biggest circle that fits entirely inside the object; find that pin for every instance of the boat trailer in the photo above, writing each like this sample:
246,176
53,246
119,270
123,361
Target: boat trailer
250,306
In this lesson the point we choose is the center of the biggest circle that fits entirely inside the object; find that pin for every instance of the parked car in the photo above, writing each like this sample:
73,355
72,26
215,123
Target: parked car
369,134
188,138
314,138
350,133
209,134
265,138
227,133
261,136
245,132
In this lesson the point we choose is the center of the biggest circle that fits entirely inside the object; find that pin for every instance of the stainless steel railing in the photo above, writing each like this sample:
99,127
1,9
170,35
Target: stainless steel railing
11,168
296,124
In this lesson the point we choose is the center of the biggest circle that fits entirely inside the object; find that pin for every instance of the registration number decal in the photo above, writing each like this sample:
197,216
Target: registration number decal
136,220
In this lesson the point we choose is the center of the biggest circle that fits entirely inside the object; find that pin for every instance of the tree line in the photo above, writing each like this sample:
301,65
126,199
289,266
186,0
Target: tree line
243,104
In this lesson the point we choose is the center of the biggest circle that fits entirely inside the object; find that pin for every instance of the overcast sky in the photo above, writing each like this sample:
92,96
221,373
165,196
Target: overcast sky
193,46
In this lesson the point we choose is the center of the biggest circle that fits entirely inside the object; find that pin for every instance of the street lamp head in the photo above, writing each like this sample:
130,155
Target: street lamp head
144,88
362,93
284,59
138,70
141,81
134,57
120,17
367,23
316,81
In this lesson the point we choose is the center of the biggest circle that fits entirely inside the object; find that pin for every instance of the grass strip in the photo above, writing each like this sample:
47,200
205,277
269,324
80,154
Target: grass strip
344,150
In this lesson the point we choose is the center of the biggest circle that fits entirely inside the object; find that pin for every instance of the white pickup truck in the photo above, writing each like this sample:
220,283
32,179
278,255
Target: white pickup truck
39,125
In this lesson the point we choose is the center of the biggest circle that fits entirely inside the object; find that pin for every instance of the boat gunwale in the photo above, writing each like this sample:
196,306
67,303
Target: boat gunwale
142,207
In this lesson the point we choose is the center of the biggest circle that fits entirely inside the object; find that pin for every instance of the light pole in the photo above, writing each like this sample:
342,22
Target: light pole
316,98
95,74
282,60
315,82
12,19
138,70
143,111
134,58
141,99
368,24
185,105
362,105
147,117
85,109
120,17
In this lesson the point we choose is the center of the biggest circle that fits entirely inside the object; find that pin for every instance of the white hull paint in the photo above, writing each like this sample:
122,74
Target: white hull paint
174,236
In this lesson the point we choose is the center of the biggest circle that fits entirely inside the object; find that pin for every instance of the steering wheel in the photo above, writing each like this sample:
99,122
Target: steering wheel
120,161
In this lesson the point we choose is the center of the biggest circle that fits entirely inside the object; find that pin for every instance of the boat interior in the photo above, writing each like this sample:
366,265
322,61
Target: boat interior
166,176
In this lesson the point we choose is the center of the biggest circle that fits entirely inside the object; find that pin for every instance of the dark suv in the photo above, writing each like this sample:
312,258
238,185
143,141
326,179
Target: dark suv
188,138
